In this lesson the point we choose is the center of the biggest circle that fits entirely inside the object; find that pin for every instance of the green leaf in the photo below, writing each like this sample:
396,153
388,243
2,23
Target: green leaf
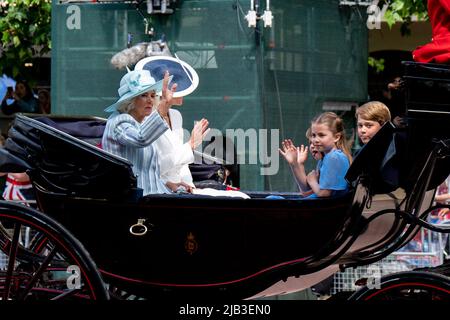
22,53
389,18
377,64
16,41
398,5
15,71
32,29
5,37
397,17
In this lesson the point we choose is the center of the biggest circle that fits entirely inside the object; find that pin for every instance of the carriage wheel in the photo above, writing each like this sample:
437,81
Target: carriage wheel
410,285
40,259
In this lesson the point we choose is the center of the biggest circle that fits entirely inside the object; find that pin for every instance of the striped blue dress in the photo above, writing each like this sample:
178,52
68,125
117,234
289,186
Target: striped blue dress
129,139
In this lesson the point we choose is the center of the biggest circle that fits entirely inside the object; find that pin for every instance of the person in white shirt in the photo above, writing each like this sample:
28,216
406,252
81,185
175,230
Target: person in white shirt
174,155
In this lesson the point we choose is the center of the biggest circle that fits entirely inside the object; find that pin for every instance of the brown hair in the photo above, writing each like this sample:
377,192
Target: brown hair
336,125
374,111
308,134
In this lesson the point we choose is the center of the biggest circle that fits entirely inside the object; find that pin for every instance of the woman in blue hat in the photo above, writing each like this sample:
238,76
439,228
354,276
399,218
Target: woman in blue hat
135,124
174,155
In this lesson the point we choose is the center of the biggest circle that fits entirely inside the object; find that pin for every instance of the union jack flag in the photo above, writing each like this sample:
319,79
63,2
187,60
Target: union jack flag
18,190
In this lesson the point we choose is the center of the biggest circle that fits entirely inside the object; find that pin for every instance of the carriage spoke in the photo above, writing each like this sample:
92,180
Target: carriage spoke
42,243
35,255
38,274
66,294
12,260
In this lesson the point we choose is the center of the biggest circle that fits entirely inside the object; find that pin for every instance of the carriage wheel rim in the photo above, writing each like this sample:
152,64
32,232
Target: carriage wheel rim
53,237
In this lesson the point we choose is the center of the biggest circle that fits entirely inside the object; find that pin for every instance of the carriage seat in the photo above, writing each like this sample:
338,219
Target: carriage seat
376,165
91,131
60,163
64,155
88,130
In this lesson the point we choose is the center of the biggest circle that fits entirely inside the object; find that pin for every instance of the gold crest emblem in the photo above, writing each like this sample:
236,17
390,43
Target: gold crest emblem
191,244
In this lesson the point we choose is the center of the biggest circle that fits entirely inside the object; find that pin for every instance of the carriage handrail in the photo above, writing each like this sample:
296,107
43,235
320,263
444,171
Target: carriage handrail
209,157
347,238
410,218
22,201
71,139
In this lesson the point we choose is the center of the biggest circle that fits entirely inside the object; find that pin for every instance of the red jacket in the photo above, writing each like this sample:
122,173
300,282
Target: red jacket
438,50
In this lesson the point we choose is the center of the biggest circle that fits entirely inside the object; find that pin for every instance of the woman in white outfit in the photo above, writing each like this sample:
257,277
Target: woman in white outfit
174,155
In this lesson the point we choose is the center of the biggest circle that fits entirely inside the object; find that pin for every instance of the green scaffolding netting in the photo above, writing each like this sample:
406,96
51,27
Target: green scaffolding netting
278,78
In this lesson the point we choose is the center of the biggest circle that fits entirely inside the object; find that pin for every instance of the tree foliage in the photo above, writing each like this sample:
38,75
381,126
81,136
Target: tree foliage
403,11
25,33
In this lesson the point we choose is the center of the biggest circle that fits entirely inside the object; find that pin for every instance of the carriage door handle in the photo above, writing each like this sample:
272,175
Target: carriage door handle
139,228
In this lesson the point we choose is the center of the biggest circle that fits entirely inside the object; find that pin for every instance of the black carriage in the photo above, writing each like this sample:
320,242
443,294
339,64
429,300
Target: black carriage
95,236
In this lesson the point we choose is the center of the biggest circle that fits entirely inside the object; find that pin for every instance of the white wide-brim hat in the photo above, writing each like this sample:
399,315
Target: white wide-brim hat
183,74
133,84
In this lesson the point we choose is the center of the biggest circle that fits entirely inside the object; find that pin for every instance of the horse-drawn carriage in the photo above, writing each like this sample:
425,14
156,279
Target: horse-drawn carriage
94,236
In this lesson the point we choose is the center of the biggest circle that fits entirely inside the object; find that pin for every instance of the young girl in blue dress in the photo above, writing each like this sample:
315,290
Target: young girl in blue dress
296,158
329,146
328,137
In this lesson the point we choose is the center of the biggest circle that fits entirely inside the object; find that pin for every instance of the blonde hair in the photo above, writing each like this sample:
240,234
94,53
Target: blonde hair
128,106
374,111
308,134
336,126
